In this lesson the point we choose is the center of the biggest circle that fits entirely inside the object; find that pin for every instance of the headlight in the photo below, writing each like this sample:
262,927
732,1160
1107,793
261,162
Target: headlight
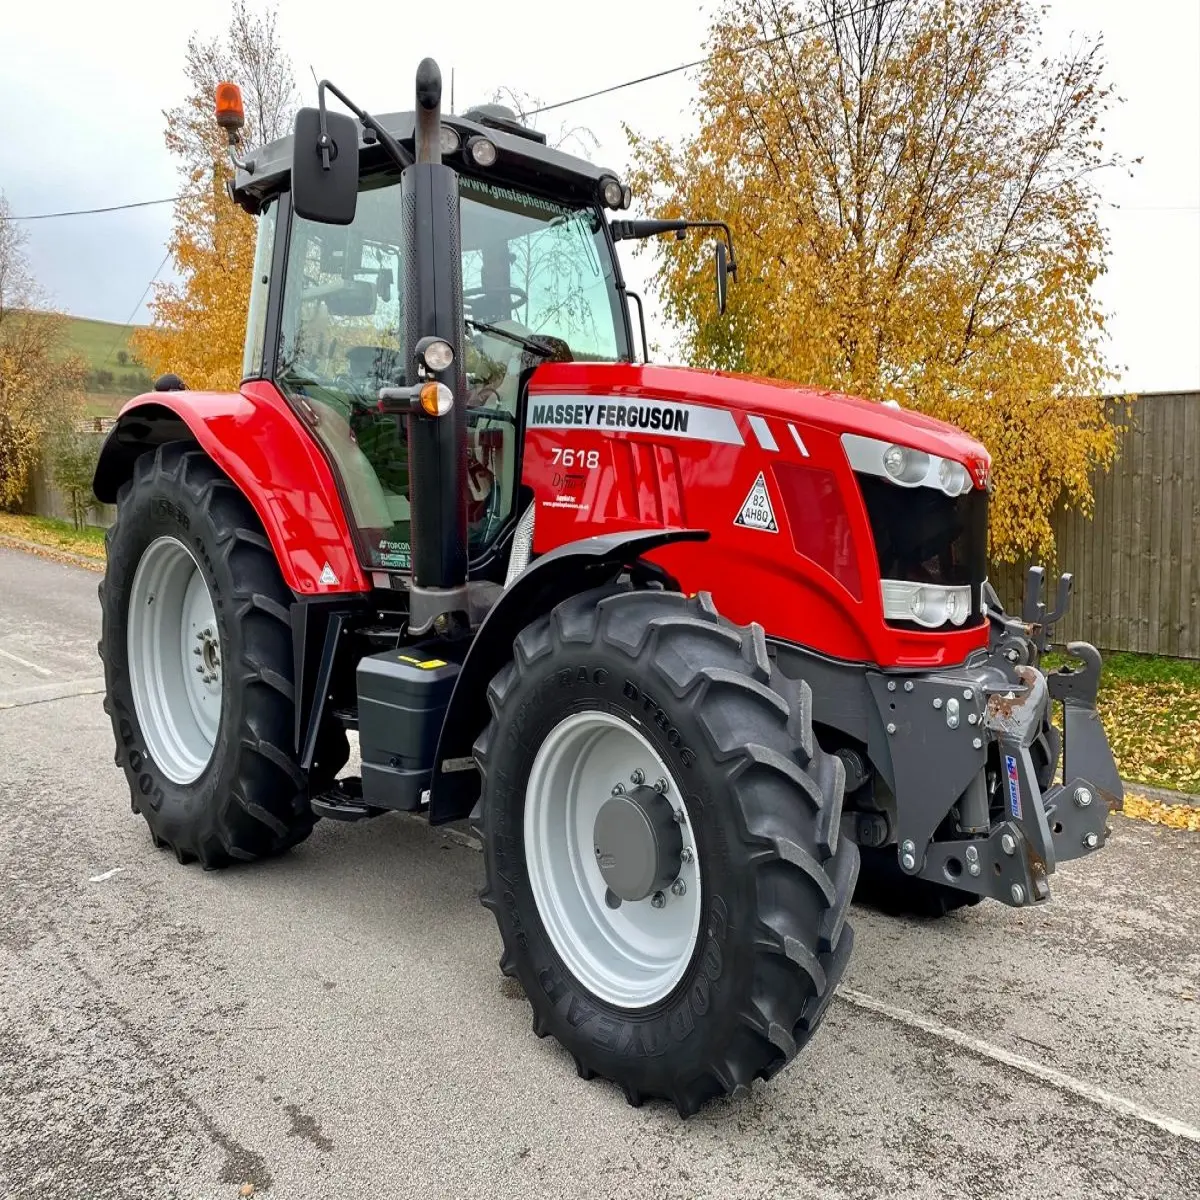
905,465
435,353
482,152
612,192
448,140
953,478
926,604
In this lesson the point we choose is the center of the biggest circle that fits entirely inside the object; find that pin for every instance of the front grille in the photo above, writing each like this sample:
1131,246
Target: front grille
924,536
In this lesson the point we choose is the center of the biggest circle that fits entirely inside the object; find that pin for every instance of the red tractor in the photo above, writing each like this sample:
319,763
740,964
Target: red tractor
690,649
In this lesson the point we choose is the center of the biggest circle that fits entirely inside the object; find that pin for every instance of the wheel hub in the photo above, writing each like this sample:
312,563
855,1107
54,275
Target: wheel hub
638,843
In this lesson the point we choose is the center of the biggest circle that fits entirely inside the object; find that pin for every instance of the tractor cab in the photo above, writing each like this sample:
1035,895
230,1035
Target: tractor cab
540,282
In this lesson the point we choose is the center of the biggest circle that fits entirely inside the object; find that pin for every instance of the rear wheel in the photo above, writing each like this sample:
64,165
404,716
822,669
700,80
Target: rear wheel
660,835
197,650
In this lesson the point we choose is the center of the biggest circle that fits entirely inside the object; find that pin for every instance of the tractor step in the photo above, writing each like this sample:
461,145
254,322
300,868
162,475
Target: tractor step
347,716
343,802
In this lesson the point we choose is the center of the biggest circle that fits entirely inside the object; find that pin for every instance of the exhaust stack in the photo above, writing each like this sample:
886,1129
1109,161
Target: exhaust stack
433,308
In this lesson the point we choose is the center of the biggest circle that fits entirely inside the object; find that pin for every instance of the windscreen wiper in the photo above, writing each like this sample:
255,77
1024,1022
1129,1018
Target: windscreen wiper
529,344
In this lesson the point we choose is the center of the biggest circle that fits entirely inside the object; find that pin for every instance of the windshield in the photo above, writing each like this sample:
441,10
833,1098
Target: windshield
538,283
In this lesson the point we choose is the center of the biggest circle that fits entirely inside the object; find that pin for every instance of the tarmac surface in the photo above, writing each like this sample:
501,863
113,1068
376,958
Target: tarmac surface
334,1024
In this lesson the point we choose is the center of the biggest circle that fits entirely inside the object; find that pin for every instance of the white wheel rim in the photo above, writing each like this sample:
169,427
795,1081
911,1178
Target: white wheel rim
175,660
634,955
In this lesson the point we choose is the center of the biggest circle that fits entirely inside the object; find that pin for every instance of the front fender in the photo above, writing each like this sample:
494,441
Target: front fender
257,439
548,580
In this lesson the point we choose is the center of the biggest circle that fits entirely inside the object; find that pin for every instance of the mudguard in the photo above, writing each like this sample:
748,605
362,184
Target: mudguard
564,571
260,443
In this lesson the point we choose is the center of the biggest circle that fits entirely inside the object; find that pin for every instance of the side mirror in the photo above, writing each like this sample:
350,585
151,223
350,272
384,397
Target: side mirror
325,178
722,277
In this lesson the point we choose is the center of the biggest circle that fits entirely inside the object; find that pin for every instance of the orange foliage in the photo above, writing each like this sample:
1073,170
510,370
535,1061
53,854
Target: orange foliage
912,201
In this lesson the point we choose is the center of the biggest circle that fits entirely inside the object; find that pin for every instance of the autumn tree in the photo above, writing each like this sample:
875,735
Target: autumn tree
912,192
198,324
41,384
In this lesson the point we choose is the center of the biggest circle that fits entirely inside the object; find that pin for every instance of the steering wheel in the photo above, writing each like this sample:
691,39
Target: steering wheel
515,295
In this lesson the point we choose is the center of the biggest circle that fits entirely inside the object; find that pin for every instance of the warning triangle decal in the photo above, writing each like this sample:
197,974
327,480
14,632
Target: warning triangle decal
757,512
328,578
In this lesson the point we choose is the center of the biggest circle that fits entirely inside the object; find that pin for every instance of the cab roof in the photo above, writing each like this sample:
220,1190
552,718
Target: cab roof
522,159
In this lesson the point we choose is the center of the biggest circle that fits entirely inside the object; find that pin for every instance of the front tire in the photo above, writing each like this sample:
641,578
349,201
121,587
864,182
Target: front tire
197,651
711,1005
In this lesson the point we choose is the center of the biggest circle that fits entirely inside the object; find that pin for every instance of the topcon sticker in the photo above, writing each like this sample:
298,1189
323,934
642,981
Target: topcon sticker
756,512
636,416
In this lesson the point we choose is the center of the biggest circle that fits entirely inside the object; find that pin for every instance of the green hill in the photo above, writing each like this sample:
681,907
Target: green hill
113,372
104,346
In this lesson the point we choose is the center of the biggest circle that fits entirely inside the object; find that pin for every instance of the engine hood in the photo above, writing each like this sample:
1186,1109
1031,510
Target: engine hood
833,411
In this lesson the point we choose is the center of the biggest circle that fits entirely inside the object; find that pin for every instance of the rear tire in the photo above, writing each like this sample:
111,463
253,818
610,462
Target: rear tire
235,791
762,803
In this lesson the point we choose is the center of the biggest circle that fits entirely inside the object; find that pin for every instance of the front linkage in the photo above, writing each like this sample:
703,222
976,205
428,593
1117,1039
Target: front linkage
994,822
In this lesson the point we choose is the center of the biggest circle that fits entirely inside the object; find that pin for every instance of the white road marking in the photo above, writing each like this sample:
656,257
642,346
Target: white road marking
1051,1075
106,875
25,662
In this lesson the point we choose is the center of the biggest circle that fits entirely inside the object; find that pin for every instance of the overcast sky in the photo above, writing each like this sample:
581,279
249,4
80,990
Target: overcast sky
82,95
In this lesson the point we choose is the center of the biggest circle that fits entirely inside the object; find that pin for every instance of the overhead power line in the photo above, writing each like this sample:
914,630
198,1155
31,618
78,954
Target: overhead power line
87,212
616,87
699,62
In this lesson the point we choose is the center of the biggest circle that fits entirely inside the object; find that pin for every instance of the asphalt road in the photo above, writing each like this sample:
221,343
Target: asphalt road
334,1024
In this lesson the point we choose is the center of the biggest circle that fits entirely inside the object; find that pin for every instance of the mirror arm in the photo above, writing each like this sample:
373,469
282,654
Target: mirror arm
401,157
624,230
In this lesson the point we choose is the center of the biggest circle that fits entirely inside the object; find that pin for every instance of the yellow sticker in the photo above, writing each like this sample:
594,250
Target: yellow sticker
416,662
430,663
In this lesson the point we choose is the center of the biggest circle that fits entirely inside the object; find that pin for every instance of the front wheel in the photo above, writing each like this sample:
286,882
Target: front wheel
197,648
660,834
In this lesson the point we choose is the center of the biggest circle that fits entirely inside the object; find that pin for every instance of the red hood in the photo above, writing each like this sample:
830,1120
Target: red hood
773,398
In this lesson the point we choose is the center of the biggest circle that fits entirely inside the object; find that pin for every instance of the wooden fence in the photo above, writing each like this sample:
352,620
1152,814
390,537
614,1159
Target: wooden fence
1136,561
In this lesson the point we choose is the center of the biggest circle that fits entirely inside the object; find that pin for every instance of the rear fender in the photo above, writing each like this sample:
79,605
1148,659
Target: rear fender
548,580
259,442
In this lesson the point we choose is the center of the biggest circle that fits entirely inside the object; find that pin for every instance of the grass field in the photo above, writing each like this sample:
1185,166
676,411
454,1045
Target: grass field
101,345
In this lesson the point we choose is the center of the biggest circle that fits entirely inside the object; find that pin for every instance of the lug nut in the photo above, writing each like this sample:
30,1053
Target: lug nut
660,786
891,728
678,887
1008,844
908,685
977,743
199,668
891,685
1018,894
937,702
1083,797
678,817
638,777
658,900
686,855
972,718
972,868
968,694
972,854
197,651
1091,841
618,789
